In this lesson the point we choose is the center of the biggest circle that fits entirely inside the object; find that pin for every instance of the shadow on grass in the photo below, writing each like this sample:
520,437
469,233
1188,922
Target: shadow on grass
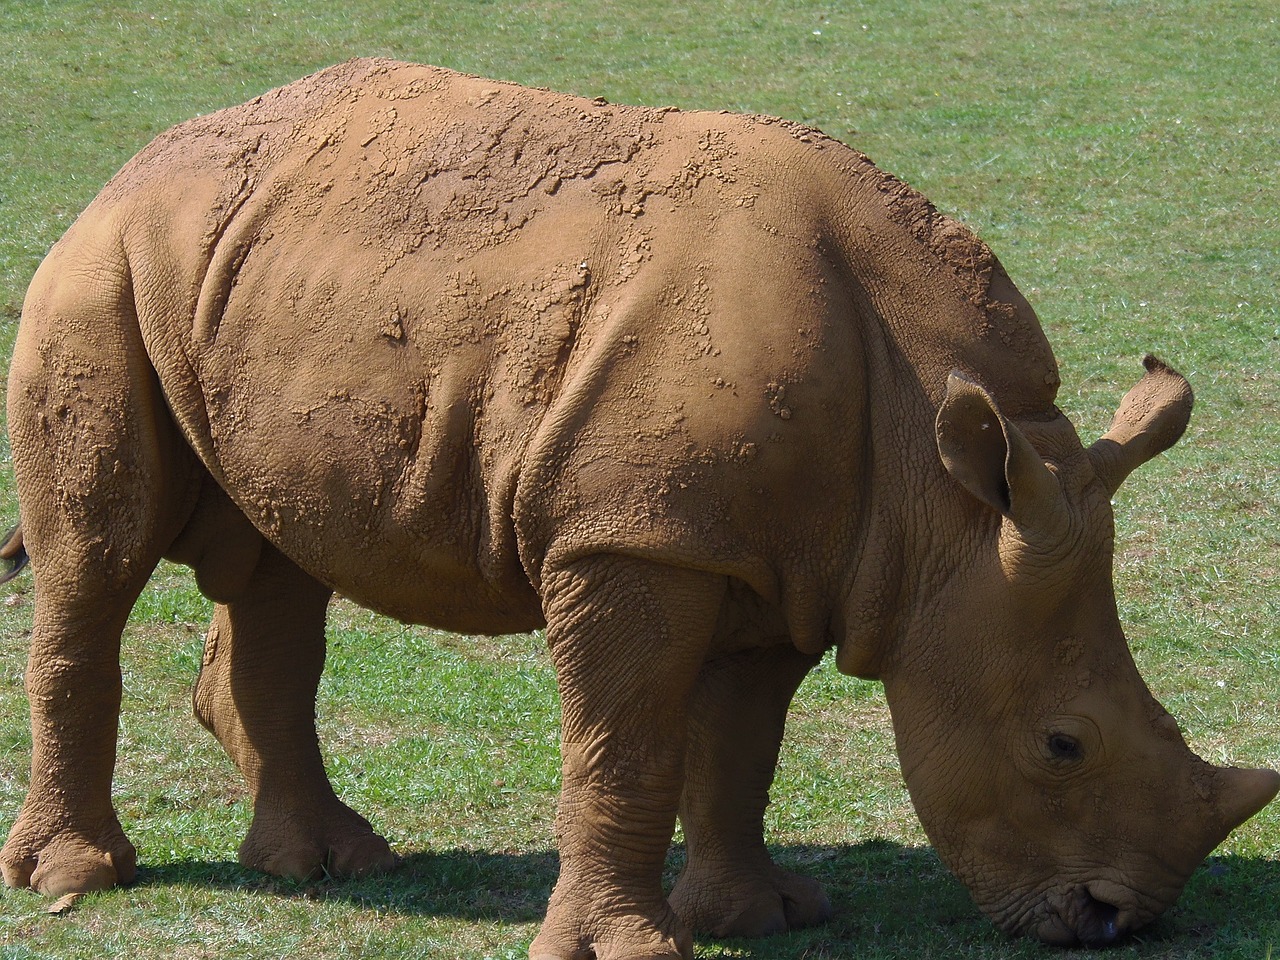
473,885
884,893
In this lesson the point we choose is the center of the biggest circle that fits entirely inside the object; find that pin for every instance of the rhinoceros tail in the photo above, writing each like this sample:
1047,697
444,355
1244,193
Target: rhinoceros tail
13,555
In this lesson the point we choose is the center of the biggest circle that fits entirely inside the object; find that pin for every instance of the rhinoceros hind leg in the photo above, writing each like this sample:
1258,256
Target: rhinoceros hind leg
730,887
256,693
105,482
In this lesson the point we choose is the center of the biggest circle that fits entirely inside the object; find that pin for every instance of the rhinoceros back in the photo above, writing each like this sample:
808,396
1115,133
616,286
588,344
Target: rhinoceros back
363,292
419,325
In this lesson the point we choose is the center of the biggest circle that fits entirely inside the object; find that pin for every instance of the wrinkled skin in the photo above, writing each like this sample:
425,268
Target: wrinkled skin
706,395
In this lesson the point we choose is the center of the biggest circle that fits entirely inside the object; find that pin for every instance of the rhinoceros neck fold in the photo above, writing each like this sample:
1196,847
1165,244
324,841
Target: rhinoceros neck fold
930,298
942,297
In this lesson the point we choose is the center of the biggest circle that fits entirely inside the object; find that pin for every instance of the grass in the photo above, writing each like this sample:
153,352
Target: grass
1121,159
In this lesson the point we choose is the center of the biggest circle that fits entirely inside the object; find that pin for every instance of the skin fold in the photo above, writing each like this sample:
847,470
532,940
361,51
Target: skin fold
705,395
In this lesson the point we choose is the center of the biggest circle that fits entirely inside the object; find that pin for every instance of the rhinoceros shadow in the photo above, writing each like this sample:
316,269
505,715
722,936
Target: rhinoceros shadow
895,896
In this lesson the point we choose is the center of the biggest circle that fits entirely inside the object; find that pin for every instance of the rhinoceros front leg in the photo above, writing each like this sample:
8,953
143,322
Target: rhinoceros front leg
730,887
627,638
264,654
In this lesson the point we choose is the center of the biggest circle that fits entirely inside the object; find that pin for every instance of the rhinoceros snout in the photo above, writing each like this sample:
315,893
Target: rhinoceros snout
1092,915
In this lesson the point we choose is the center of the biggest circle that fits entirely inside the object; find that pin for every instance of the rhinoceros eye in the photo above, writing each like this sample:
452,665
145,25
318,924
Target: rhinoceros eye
1063,747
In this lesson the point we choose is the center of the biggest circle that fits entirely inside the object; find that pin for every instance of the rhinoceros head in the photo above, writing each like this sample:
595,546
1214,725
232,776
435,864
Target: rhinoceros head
1045,773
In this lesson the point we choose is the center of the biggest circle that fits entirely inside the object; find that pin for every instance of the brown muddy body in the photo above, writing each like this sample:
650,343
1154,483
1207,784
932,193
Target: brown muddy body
427,291
704,394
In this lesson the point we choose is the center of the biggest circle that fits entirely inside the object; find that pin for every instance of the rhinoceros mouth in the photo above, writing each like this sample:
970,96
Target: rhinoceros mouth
1085,915
1093,914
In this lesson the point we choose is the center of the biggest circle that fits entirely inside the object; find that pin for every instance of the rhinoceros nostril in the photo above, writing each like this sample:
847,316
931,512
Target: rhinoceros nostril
1079,916
1097,922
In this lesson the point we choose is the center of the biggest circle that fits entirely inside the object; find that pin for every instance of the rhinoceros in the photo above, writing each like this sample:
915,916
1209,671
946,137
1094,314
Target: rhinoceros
706,395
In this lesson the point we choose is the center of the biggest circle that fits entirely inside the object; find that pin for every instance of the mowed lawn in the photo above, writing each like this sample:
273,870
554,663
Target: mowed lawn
1121,157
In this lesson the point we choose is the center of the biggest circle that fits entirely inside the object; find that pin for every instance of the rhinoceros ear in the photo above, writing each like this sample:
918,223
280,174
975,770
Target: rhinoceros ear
992,459
1151,418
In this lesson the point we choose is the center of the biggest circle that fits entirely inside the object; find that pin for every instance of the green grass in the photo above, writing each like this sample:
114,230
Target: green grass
1120,157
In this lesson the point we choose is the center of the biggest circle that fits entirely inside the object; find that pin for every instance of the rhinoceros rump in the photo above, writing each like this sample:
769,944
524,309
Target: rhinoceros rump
705,394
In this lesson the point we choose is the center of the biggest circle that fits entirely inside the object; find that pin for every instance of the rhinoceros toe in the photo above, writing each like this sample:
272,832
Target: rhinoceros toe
66,861
738,904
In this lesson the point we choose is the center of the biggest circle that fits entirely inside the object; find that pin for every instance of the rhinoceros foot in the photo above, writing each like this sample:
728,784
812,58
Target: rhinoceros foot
580,928
744,903
57,859
333,841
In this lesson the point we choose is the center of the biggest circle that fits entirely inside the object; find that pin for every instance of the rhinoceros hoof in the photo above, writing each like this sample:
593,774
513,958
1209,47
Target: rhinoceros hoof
733,903
581,930
55,863
340,845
